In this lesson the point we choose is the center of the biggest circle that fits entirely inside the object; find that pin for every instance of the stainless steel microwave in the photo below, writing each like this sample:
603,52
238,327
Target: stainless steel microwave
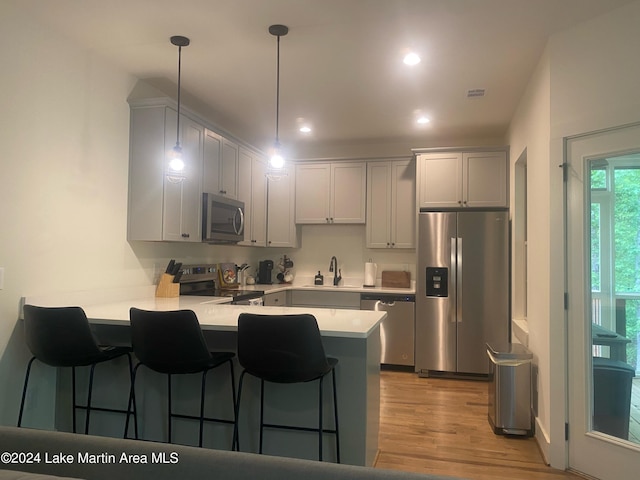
223,219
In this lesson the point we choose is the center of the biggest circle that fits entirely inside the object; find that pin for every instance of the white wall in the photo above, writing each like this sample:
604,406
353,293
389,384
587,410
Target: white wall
347,242
529,130
64,132
594,85
587,80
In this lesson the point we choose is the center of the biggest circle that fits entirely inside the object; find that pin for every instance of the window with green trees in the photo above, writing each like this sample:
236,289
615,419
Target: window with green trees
615,246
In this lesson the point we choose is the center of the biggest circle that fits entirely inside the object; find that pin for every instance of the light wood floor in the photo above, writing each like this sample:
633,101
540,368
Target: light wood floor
439,426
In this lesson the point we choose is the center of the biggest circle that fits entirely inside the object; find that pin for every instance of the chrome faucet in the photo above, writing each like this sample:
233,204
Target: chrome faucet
337,274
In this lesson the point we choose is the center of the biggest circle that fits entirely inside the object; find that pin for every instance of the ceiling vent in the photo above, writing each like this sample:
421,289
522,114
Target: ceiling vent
475,93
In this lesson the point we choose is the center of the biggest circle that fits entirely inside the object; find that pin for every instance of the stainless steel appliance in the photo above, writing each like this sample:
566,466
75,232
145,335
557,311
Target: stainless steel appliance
462,290
222,219
201,280
397,330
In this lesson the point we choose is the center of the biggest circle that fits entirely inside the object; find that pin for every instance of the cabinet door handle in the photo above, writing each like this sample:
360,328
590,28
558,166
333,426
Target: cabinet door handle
185,235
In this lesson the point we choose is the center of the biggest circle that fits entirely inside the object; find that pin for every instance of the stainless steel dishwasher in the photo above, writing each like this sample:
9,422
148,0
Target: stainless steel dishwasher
397,331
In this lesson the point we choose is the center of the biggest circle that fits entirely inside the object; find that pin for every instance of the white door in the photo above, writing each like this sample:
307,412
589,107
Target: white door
603,282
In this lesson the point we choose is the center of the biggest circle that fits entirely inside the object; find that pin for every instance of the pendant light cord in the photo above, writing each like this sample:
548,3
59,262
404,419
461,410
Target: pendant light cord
278,92
179,89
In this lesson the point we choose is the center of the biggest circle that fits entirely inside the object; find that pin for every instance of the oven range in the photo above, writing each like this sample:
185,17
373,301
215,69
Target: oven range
201,280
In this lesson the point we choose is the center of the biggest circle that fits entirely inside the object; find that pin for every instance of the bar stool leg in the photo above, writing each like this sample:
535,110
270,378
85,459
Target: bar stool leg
73,396
335,414
204,381
169,405
320,420
132,400
86,420
24,390
261,413
236,440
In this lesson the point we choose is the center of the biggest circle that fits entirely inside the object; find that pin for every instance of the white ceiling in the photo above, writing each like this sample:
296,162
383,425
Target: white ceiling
341,63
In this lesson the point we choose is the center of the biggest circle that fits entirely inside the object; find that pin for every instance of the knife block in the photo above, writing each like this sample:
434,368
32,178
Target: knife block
166,288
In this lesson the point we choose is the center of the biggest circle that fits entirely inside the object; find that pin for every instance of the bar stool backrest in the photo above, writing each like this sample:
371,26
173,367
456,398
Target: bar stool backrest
281,348
168,341
60,336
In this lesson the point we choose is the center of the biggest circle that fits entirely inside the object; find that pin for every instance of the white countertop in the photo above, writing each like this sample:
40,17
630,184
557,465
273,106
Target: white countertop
211,312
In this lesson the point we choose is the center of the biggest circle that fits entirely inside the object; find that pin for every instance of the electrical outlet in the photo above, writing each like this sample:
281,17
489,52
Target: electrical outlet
1,278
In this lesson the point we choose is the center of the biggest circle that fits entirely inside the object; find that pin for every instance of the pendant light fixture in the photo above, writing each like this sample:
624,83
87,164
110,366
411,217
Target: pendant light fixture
276,162
176,162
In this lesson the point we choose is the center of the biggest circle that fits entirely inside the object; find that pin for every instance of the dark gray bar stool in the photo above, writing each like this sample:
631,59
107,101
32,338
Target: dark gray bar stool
286,349
172,343
62,337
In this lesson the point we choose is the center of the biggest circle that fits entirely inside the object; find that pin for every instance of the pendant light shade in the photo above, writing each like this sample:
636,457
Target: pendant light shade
276,161
176,162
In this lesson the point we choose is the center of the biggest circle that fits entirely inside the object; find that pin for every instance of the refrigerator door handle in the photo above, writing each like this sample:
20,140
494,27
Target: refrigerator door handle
459,280
453,280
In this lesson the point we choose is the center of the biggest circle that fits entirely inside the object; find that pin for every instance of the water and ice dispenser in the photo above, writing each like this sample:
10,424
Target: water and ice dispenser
437,282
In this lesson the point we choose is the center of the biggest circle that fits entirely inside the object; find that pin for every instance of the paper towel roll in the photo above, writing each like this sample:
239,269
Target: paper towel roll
370,270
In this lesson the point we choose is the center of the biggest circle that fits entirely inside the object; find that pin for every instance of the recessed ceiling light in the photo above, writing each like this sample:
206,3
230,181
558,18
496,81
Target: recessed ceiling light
305,129
423,120
411,59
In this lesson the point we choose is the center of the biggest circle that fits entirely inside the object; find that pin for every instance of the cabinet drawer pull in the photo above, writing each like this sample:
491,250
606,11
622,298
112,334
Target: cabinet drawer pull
185,235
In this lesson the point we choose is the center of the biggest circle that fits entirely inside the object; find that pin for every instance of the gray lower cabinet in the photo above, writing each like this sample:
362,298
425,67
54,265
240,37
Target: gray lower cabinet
276,299
325,299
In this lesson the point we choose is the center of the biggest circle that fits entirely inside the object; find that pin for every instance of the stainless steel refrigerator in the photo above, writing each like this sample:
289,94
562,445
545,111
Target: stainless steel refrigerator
462,290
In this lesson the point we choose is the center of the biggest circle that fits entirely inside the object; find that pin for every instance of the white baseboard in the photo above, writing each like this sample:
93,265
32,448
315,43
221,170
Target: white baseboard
520,331
543,442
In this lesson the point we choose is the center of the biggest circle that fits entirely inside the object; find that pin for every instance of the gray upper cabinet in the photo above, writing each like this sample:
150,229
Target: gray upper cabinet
332,192
391,204
220,174
450,179
252,190
162,206
281,196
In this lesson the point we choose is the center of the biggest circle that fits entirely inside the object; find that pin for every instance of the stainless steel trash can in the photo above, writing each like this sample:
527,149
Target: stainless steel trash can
510,389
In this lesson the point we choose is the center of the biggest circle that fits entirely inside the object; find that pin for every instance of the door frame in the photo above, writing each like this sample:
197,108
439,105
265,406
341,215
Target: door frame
593,453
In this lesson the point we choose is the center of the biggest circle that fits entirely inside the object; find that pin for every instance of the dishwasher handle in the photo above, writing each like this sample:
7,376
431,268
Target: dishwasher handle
387,299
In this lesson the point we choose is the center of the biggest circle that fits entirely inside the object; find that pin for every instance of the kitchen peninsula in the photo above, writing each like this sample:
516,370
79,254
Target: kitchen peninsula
352,336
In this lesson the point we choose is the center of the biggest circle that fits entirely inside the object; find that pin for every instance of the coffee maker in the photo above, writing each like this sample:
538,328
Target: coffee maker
264,272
